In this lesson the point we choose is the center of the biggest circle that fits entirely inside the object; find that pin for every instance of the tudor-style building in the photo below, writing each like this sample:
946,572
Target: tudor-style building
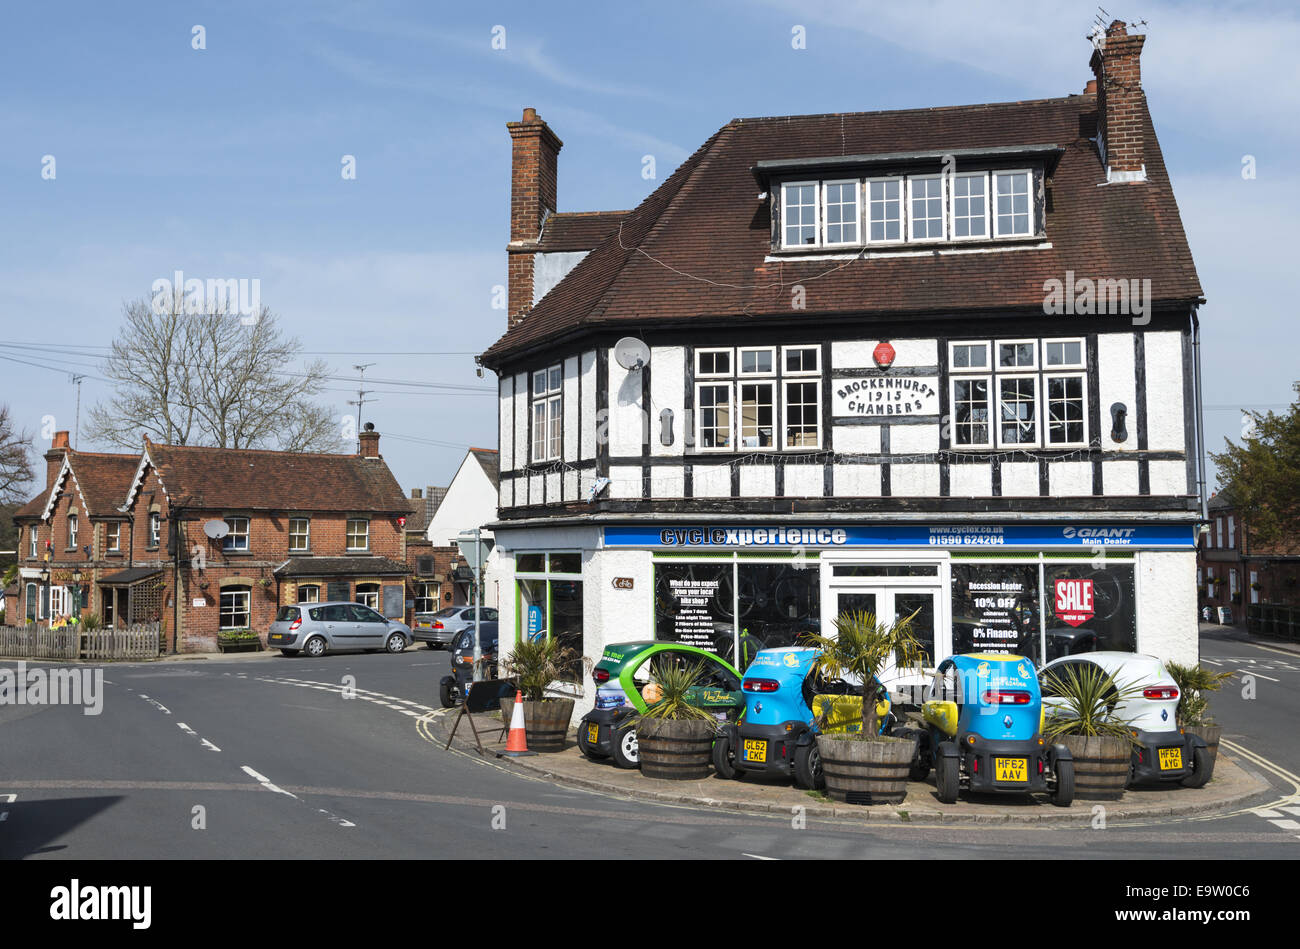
298,527
937,360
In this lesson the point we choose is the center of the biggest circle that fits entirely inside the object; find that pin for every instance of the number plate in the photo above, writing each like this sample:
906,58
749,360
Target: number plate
1171,759
1011,769
276,637
755,750
593,732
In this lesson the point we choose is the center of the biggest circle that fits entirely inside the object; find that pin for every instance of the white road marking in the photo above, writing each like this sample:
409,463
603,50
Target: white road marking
1267,812
185,728
209,745
266,782
1213,662
8,799
1286,824
1262,676
758,856
1291,810
156,704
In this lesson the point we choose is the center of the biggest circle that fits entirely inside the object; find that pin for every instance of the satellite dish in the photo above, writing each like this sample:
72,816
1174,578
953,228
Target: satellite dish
631,353
216,529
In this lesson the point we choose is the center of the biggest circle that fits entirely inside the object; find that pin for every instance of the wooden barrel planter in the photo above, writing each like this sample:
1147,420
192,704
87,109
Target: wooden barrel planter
1101,766
675,750
546,723
866,772
1210,734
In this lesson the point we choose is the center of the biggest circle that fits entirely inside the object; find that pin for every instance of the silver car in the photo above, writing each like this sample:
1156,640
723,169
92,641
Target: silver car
316,628
440,628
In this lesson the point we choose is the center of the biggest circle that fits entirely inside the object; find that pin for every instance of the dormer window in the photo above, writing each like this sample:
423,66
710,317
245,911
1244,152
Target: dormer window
925,207
799,212
841,202
885,197
970,206
1013,214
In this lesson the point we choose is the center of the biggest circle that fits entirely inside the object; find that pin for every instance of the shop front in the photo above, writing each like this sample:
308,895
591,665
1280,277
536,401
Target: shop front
1039,590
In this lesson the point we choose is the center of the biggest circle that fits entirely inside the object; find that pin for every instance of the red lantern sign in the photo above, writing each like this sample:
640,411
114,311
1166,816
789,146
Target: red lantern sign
883,354
1074,601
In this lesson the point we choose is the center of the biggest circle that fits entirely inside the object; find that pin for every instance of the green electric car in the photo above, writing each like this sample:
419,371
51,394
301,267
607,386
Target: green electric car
625,686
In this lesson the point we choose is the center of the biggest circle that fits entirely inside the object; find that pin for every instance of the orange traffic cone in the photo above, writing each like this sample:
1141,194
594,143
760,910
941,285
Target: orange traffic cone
517,740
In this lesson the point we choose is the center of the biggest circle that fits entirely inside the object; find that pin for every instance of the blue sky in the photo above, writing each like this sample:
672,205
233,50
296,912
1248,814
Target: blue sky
226,162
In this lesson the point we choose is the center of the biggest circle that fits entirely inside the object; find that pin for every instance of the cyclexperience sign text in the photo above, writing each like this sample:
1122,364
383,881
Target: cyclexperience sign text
919,535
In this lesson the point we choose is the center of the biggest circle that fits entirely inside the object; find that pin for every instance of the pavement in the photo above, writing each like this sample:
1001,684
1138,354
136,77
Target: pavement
1231,786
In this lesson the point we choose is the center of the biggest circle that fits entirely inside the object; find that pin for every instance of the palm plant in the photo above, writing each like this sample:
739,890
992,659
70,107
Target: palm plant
673,695
535,664
1088,699
91,622
1193,682
860,650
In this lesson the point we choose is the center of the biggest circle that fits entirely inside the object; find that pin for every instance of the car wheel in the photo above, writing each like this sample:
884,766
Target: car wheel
947,777
315,646
288,652
724,757
624,748
1202,769
584,745
396,643
920,769
1063,796
444,693
808,768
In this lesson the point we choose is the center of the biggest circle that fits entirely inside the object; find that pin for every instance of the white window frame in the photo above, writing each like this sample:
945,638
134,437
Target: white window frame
235,593
789,373
823,216
1254,594
902,210
785,413
72,532
1033,347
228,544
113,537
816,206
155,529
755,373
347,533
306,535
988,356
983,176
547,444
991,404
943,209
307,586
769,383
1232,583
32,553
713,350
993,198
1045,424
998,379
731,417
58,600
375,594
423,587
1218,527
1083,354
1232,532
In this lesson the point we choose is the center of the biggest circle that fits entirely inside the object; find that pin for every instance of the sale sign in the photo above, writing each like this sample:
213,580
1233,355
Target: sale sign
1074,603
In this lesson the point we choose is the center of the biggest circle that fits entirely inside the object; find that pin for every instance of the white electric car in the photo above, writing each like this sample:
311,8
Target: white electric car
1164,752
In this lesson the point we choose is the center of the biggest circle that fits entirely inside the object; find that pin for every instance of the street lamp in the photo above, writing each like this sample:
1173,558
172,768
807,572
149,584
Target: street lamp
76,593
45,582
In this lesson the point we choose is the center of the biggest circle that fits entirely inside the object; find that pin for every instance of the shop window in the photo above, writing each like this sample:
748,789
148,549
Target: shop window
1089,609
566,563
552,608
530,563
995,608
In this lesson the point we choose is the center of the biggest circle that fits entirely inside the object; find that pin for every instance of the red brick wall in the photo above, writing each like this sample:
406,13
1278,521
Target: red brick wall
534,168
1120,98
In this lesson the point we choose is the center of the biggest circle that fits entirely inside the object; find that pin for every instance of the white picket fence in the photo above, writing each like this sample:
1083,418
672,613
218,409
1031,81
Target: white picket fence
38,642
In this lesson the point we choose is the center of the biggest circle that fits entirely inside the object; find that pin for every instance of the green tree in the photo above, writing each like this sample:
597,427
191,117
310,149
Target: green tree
1262,474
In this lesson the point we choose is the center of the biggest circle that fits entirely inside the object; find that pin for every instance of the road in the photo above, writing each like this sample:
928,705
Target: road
271,758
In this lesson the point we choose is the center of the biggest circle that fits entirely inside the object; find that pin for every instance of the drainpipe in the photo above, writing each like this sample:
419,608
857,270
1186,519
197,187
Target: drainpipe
1200,416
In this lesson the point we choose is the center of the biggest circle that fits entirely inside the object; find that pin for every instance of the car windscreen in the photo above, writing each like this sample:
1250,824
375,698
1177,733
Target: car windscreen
287,614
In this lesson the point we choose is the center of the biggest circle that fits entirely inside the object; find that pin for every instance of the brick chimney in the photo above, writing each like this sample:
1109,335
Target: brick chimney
369,442
534,158
54,457
1120,102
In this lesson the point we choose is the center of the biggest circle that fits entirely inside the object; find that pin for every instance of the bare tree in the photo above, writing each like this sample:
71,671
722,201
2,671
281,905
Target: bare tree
16,472
210,378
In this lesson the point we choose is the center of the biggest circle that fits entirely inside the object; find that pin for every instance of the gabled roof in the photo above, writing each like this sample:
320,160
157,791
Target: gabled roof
697,247
256,479
490,461
99,479
577,230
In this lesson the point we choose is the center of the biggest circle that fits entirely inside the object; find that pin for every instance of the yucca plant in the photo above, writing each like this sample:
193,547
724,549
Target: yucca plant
1089,698
1193,682
672,693
91,622
535,664
862,646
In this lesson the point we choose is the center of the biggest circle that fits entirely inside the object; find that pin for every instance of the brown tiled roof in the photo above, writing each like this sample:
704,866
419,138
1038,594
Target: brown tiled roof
104,479
35,507
255,479
577,230
708,236
341,567
418,519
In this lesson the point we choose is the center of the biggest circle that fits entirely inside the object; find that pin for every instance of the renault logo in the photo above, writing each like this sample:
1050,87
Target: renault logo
1164,715
1007,721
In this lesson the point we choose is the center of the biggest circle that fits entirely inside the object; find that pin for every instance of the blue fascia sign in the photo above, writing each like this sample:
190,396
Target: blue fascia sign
906,535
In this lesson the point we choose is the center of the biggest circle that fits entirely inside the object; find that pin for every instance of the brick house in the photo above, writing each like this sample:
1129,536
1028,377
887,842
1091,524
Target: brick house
432,566
873,360
297,527
1235,572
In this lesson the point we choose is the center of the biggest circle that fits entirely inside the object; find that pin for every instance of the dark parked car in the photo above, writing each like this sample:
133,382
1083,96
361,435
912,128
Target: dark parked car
452,688
316,628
